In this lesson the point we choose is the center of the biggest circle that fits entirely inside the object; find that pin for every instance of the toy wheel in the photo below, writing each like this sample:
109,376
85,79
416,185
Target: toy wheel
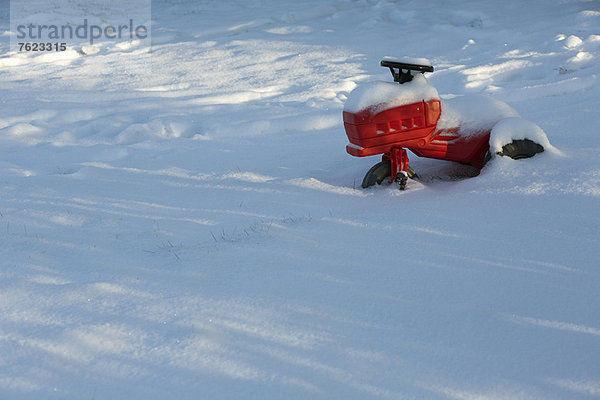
380,171
518,149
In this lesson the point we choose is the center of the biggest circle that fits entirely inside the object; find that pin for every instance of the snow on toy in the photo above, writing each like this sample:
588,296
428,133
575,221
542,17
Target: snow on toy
389,118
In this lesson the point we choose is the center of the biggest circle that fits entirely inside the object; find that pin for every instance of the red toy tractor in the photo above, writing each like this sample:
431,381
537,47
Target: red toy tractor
387,118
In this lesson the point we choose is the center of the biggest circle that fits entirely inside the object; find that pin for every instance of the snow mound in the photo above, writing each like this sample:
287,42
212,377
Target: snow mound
473,114
379,96
510,129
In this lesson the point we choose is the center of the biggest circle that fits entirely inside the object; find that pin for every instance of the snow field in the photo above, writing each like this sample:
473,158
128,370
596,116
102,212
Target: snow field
198,231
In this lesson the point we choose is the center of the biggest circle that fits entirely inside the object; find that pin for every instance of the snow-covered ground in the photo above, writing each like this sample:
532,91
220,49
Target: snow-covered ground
196,230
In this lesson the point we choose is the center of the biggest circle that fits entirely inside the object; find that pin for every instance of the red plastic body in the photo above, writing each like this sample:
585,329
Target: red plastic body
414,127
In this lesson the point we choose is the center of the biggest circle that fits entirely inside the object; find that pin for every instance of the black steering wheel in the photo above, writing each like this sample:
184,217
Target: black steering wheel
398,70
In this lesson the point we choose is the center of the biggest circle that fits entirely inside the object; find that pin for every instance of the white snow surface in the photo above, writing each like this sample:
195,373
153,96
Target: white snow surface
380,96
196,230
474,114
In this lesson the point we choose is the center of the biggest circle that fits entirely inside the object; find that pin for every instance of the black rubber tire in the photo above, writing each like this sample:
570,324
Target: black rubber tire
518,149
380,171
377,174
